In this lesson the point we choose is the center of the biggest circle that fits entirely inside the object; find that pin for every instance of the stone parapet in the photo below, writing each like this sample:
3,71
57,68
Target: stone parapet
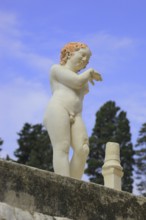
8,212
35,190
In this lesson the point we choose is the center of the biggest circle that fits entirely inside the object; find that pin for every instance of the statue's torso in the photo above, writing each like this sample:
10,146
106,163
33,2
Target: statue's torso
71,99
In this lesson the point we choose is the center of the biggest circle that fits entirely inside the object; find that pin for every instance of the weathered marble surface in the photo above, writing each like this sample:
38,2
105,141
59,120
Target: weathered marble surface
40,191
8,212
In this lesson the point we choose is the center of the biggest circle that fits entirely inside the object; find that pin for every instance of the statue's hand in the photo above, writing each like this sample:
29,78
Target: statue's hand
94,76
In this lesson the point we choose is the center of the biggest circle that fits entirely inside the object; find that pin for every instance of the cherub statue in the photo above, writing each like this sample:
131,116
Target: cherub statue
63,119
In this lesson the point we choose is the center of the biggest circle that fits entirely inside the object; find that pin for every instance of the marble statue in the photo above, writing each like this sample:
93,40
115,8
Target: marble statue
63,119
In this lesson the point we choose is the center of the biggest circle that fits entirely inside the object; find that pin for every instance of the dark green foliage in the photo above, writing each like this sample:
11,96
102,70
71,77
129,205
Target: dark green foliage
140,160
8,158
34,147
111,126
1,142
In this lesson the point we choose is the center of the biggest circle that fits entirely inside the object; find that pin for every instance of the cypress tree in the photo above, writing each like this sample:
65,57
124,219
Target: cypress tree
35,148
140,160
1,142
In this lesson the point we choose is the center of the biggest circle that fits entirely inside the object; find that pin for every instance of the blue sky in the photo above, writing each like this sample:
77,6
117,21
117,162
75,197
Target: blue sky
31,36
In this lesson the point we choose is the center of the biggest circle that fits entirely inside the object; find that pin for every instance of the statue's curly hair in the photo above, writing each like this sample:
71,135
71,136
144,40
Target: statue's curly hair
68,49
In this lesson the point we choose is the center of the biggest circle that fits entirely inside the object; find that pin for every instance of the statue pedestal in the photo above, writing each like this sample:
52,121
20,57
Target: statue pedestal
112,170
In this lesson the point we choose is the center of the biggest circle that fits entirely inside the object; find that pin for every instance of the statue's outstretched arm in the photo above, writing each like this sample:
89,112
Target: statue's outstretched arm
73,80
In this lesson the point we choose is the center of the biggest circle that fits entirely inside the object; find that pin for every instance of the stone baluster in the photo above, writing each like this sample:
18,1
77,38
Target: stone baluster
112,170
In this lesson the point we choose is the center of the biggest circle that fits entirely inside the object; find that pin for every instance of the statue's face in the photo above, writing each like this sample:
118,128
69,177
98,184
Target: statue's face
80,58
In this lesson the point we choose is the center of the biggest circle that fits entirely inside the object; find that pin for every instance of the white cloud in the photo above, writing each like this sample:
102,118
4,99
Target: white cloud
21,101
106,41
109,51
8,23
37,61
12,43
9,32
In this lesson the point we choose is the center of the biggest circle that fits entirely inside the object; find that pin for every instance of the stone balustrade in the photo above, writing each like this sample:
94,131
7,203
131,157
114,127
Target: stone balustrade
112,170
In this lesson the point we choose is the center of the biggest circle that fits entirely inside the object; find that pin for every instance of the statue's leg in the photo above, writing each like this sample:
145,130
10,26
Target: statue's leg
58,127
79,142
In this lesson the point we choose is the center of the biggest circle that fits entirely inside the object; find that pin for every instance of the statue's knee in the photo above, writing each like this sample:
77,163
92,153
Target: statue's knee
83,151
86,146
86,149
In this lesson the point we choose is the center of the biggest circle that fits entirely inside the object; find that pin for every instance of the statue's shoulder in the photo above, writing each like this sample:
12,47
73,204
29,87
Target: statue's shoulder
55,67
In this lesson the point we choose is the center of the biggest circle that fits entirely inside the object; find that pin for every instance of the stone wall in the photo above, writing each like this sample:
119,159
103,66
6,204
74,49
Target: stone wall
8,212
37,191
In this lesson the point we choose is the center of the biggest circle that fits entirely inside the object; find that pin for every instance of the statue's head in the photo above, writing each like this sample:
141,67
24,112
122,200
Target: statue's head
69,49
